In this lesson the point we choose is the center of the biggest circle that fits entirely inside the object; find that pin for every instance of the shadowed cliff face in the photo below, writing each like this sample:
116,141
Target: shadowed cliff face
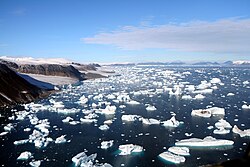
14,89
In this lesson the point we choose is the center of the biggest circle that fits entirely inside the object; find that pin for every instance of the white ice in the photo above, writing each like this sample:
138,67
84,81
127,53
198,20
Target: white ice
61,139
171,123
206,142
184,151
104,127
242,133
151,108
25,155
245,106
172,157
127,149
35,163
107,144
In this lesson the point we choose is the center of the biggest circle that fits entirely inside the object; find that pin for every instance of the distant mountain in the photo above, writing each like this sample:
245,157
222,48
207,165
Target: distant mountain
206,63
228,63
240,62
14,89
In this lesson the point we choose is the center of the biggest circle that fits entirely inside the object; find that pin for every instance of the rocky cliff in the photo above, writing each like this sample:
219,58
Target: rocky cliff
46,69
14,89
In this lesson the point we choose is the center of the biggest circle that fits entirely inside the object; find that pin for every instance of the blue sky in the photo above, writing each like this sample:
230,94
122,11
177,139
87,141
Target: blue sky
126,31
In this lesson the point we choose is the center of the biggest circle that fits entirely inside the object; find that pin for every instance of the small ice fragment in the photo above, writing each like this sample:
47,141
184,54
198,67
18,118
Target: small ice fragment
3,133
223,124
107,144
104,127
171,123
230,94
188,134
19,142
151,108
9,127
35,163
133,102
221,130
172,157
24,155
215,81
61,139
199,96
130,148
244,106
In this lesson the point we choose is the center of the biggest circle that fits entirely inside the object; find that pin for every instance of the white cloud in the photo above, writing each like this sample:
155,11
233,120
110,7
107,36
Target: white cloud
221,36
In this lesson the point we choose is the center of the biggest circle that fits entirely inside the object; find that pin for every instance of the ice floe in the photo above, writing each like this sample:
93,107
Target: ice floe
61,139
184,151
171,123
104,127
150,121
36,163
245,106
168,156
242,133
128,149
151,108
25,155
107,144
208,141
83,160
208,112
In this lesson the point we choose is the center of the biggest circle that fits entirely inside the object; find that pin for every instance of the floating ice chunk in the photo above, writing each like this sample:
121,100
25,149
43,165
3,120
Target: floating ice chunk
61,139
107,144
19,142
3,133
172,157
84,120
215,81
230,94
67,119
109,110
244,106
150,121
104,127
67,110
74,122
242,133
131,118
208,141
35,163
82,160
26,129
223,124
217,111
111,96
108,122
199,96
130,148
210,127
9,127
208,112
221,130
188,134
186,97
184,151
201,113
246,82
58,104
133,102
171,123
150,108
25,155
83,100
204,91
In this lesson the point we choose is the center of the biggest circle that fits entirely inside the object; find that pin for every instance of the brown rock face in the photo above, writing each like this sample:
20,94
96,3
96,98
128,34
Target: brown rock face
14,89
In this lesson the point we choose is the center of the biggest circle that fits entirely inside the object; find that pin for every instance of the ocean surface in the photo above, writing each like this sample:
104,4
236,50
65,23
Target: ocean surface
147,86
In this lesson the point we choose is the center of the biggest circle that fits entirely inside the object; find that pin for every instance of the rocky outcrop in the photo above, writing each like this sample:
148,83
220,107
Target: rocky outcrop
46,69
14,89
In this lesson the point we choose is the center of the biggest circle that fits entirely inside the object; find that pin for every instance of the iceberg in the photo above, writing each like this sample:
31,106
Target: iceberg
208,112
104,127
67,120
127,149
242,133
150,121
230,94
3,133
19,142
244,106
223,124
151,108
208,141
131,118
25,155
133,102
35,163
221,130
199,96
83,100
82,160
61,139
9,127
215,81
186,97
107,144
171,123
84,120
172,157
109,110
184,151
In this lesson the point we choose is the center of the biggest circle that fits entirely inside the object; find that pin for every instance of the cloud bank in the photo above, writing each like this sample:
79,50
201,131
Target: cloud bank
221,36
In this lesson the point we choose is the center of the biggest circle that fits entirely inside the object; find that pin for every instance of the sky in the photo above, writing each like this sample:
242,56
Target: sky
114,31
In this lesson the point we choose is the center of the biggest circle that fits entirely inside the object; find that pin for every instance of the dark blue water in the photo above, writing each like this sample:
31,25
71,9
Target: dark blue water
156,138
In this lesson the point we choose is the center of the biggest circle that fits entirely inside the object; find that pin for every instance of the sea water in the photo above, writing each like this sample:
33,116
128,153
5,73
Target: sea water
154,86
